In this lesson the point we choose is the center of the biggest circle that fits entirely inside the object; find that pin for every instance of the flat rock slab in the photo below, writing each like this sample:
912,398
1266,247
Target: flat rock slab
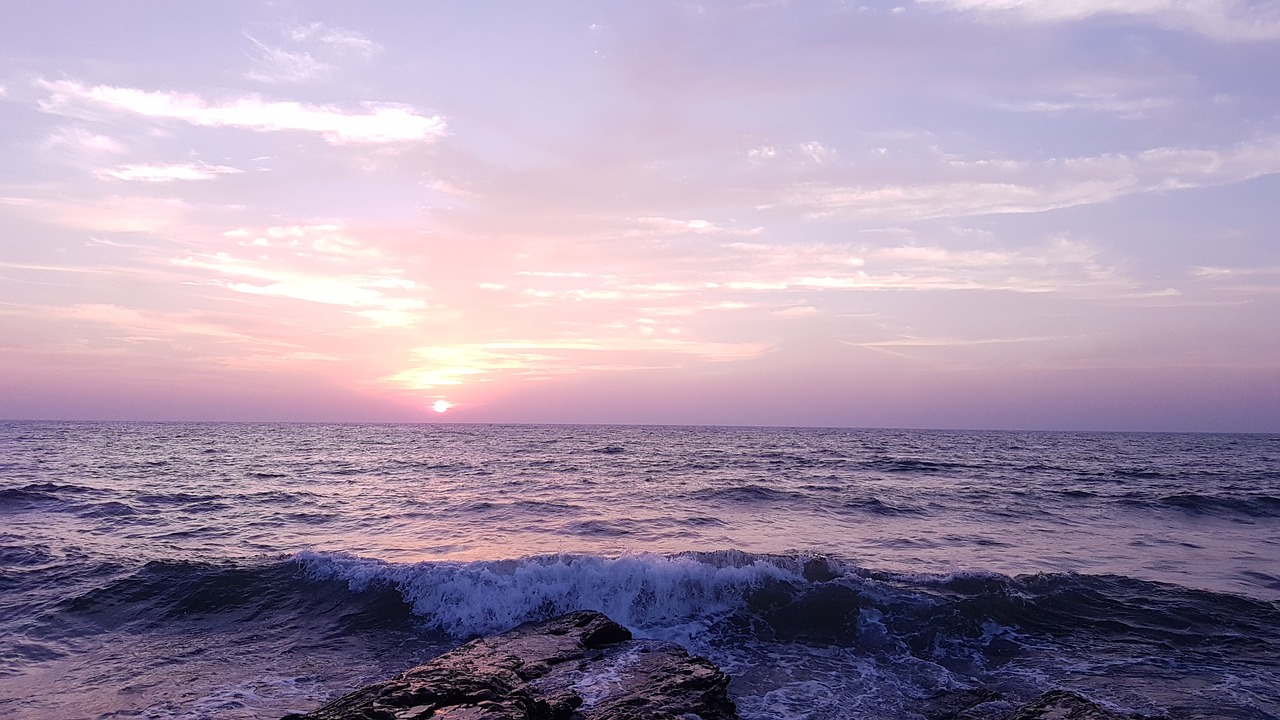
580,666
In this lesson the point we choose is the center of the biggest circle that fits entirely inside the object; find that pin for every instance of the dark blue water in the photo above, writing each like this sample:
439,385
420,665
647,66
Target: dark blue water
245,571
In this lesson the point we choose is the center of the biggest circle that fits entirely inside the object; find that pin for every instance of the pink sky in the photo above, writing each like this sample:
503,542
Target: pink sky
928,213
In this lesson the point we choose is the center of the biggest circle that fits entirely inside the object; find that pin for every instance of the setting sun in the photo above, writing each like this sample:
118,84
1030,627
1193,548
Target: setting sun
441,405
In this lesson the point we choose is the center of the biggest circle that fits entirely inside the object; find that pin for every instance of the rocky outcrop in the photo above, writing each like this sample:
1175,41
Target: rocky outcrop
581,666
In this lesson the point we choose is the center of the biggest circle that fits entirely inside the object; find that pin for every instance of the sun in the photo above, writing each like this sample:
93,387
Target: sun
441,405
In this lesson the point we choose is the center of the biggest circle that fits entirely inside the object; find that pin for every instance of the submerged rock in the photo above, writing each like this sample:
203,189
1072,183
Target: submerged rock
581,666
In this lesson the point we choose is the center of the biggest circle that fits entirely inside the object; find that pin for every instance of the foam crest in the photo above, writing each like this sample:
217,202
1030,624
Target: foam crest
651,594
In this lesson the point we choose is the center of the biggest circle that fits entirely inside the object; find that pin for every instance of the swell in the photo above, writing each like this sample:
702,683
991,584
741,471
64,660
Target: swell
1252,504
272,593
927,631
955,619
962,621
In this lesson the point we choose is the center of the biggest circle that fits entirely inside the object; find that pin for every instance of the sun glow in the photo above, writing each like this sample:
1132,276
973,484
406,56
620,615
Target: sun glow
441,405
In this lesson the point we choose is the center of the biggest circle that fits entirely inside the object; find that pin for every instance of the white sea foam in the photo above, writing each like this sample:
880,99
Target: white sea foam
654,595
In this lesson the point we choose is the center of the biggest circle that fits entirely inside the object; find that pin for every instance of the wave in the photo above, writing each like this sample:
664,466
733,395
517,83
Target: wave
877,506
916,465
640,591
1100,609
962,622
1250,505
275,593
42,494
748,494
957,620
782,623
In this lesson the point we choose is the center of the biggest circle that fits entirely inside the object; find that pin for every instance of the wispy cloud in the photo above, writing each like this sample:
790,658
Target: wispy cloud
1251,281
112,213
450,365
307,52
82,141
1057,265
335,37
1220,19
673,226
161,173
816,151
146,324
375,123
278,65
1091,103
1001,186
947,341
316,264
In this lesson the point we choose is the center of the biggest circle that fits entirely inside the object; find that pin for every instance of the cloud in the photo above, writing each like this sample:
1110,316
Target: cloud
1006,186
85,142
146,324
450,365
1095,103
797,311
159,173
1057,265
277,65
673,226
816,151
1250,281
296,60
377,123
948,341
317,264
335,38
112,213
1218,19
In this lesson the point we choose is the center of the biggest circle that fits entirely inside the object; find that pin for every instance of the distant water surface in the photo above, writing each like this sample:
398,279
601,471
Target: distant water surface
248,570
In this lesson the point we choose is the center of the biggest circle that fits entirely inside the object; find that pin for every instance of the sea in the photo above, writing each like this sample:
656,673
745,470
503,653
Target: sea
190,570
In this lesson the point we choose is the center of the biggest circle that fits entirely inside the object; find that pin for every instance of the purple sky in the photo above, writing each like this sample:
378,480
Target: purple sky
924,213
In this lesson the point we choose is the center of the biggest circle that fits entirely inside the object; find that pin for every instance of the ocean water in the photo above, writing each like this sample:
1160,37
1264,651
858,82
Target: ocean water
249,570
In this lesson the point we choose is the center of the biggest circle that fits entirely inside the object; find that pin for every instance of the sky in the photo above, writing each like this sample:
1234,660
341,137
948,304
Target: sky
1007,214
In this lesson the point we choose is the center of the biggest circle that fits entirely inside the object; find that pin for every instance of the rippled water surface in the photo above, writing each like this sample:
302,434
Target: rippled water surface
229,570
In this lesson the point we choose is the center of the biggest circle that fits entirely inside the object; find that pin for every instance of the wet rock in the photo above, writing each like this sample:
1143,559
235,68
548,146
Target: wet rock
989,705
581,666
1066,705
974,704
818,569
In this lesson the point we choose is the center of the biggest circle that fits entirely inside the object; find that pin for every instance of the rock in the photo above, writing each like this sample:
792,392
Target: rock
1066,705
964,704
1053,705
581,666
818,569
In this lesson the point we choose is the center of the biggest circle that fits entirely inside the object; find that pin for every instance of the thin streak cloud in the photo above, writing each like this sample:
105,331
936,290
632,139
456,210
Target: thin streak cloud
160,173
375,123
1232,20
